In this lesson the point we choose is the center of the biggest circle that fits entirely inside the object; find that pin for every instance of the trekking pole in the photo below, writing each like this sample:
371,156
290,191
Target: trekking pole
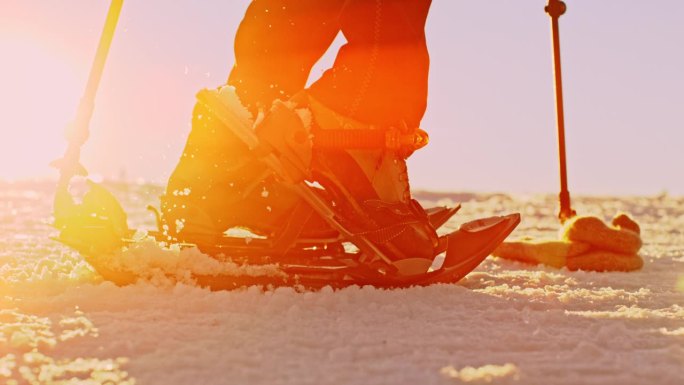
556,8
77,134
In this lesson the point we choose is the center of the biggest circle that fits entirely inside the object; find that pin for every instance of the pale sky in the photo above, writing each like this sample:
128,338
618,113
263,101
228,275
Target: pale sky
490,111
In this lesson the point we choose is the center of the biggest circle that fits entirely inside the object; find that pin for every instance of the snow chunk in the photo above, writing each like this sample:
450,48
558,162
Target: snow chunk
486,374
674,312
305,116
232,101
169,265
676,332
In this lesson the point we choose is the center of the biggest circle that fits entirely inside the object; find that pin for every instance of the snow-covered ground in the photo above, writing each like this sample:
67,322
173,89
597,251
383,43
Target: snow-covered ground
504,323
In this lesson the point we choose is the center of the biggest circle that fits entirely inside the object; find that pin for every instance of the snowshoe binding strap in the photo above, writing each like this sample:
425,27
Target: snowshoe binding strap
405,142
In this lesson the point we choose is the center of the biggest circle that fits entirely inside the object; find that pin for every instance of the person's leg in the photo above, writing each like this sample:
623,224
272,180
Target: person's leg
379,80
381,75
227,184
277,44
217,183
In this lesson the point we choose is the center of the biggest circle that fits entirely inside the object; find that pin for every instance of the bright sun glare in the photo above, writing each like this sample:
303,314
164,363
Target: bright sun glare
38,97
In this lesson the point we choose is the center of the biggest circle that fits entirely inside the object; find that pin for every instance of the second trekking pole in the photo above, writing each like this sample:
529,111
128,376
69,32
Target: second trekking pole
556,8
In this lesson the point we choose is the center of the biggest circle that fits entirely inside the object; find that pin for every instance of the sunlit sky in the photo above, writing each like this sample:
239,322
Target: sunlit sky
490,112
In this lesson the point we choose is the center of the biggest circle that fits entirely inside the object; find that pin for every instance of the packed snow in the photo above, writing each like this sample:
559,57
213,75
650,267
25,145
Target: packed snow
504,323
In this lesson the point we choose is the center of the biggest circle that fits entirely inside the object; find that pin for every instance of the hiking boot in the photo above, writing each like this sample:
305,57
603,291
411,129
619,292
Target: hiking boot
368,182
220,183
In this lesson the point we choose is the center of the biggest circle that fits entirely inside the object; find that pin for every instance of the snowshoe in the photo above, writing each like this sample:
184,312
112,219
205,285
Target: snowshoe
220,183
306,178
318,211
